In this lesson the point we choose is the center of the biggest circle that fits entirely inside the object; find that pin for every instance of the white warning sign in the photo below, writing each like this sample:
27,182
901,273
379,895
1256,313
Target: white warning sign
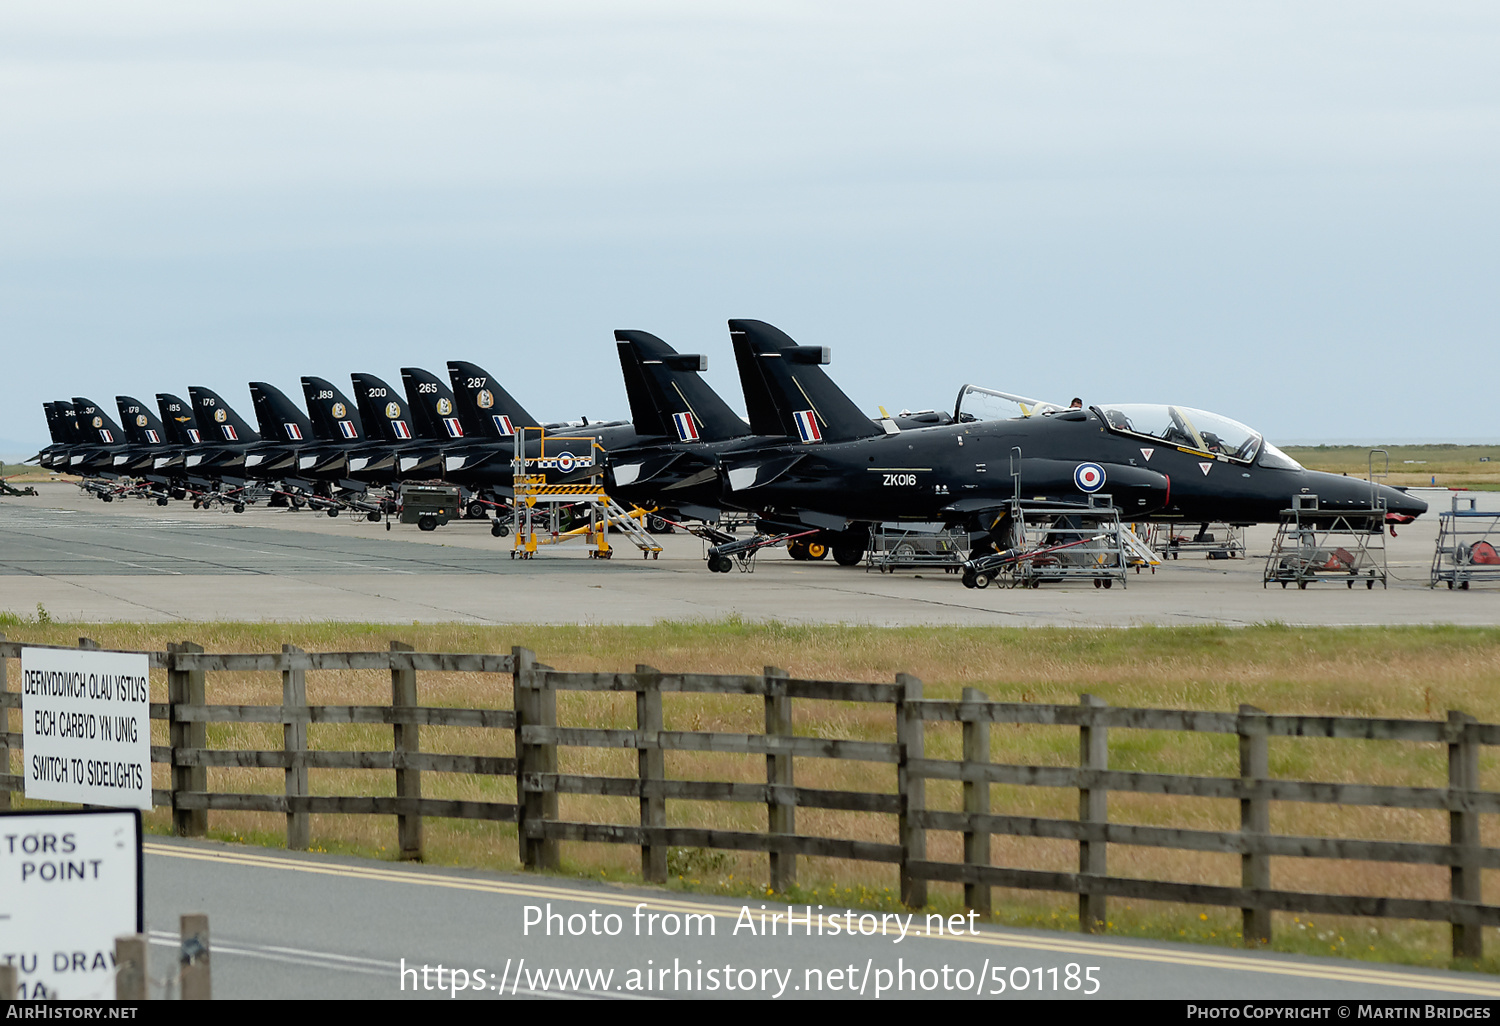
87,731
70,883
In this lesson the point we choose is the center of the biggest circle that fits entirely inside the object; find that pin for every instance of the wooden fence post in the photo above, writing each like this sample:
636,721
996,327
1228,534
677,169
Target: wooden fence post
294,734
976,802
651,768
4,732
535,707
1093,811
186,688
197,983
1463,833
406,742
781,810
1255,822
911,789
130,967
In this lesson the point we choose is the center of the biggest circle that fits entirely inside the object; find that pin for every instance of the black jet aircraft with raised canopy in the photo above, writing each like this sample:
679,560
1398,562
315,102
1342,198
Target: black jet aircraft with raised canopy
839,471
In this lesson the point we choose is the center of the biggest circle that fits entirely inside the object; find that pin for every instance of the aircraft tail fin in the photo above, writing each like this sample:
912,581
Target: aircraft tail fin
667,395
334,416
433,408
485,409
786,389
219,421
140,422
60,434
96,426
278,416
381,409
177,417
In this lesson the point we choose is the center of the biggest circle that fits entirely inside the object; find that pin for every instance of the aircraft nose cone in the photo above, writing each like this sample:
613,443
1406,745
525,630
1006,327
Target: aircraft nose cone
1404,503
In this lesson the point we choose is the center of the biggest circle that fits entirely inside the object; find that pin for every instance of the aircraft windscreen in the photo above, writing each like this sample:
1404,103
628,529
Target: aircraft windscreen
1270,456
1182,425
975,403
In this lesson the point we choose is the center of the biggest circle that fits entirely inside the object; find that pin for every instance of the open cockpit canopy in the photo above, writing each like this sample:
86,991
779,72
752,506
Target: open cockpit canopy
975,404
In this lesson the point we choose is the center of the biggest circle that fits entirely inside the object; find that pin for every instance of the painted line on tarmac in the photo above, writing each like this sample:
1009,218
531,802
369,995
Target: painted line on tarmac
1060,945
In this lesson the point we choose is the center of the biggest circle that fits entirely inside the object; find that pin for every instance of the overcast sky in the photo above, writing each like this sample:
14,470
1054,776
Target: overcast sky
1285,213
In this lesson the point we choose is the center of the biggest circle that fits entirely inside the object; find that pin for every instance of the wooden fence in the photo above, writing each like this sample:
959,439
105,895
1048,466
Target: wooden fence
532,722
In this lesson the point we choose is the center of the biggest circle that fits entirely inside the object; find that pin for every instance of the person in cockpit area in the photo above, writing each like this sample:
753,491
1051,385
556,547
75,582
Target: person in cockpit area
1076,404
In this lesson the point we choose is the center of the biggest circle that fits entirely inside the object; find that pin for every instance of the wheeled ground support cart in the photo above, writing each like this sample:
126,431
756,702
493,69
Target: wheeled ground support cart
1315,544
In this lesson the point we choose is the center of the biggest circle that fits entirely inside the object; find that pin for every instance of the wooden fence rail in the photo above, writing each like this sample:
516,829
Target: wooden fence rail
532,726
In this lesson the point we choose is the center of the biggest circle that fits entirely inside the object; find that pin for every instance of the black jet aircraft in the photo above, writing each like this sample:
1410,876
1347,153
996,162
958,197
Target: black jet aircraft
1153,462
839,471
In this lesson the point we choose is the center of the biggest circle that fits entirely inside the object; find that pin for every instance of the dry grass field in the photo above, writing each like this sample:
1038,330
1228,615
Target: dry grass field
1397,672
1447,466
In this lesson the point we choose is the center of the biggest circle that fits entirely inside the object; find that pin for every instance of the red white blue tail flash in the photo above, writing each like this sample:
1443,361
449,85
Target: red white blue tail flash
293,432
229,433
503,424
687,431
402,430
807,426
455,429
347,429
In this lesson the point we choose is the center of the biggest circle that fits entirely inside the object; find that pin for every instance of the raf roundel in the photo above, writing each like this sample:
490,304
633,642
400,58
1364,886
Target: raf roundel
565,462
1089,477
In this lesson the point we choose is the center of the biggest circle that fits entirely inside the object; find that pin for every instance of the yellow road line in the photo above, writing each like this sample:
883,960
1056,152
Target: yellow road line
1078,946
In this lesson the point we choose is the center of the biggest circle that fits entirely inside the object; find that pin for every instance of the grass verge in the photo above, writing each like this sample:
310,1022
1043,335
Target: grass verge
1409,672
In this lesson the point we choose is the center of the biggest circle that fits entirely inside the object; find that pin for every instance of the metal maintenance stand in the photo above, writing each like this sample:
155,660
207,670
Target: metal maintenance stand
532,490
1323,544
1468,545
916,547
1215,540
1057,541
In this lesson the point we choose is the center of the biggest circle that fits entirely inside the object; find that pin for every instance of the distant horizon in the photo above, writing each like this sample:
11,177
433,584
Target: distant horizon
1284,213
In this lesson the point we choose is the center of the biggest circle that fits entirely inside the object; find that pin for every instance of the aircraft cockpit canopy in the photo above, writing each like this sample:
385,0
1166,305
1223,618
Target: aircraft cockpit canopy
1192,429
975,404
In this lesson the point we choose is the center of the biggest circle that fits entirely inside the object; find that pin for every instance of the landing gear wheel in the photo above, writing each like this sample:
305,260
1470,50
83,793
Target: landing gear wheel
848,555
499,530
475,510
